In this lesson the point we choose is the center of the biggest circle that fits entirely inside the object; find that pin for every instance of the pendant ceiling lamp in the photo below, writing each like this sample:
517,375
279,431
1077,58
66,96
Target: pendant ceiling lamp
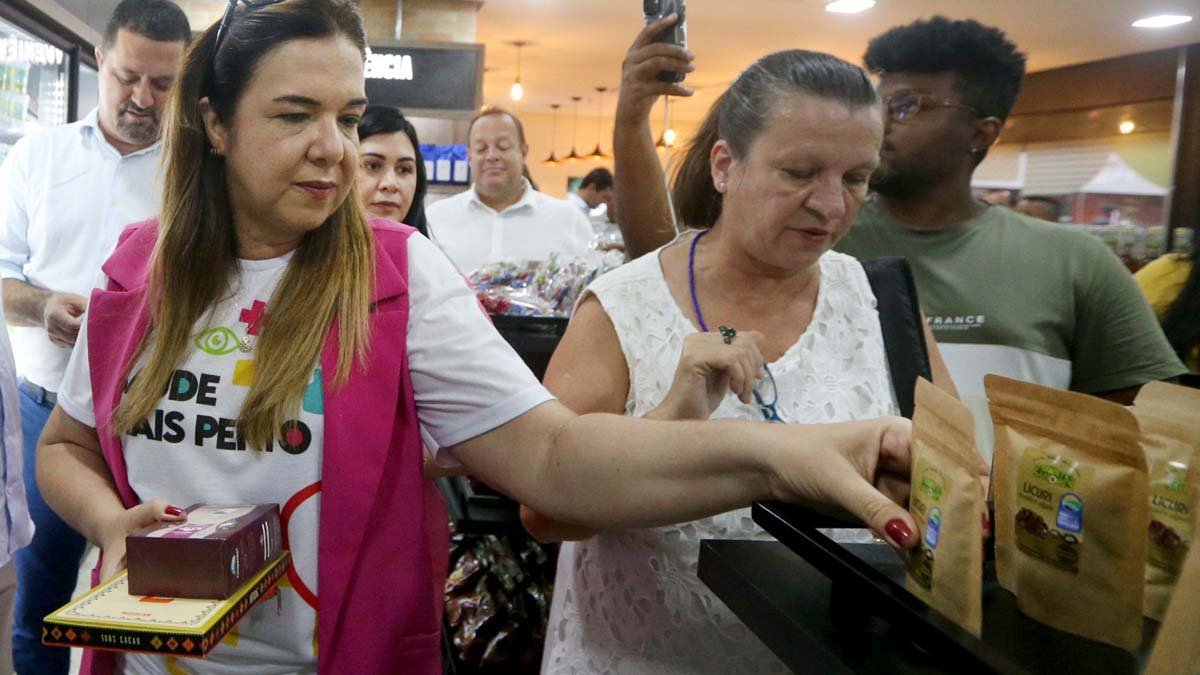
598,154
668,137
574,156
517,91
552,160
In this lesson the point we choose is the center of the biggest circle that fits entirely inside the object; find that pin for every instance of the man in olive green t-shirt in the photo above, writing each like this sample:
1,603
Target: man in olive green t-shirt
1003,293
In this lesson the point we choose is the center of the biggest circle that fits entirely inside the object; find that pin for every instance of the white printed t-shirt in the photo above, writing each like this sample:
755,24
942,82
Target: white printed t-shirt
189,452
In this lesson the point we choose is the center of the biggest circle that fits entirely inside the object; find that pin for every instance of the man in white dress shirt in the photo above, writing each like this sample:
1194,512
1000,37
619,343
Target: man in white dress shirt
594,199
501,217
65,195
595,189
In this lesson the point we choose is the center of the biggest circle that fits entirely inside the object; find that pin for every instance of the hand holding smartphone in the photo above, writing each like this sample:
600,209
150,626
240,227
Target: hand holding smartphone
655,10
655,65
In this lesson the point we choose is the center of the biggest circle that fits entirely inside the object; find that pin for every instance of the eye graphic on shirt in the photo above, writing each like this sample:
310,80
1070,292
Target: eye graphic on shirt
217,341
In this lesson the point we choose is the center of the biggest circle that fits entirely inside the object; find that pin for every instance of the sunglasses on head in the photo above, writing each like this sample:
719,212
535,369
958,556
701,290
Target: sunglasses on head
228,18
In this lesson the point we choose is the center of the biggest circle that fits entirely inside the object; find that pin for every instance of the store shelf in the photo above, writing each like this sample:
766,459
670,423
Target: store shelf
830,607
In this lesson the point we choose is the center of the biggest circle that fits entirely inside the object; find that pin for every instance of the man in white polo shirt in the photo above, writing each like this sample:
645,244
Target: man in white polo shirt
502,217
65,195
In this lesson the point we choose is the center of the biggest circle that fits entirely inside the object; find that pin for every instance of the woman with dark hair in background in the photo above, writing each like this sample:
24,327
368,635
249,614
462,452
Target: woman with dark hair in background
391,171
1172,285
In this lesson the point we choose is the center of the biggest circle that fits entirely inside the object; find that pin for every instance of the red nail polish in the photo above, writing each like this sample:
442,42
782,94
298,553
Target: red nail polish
987,526
174,511
898,530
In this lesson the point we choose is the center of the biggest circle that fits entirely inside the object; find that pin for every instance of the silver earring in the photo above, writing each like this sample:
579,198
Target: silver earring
721,186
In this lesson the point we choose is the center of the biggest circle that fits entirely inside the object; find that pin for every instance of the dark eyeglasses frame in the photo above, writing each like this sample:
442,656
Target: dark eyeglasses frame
228,18
924,102
768,410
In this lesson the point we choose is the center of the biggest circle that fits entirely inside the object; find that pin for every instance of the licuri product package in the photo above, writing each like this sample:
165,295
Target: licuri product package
1177,647
947,503
1169,417
1071,509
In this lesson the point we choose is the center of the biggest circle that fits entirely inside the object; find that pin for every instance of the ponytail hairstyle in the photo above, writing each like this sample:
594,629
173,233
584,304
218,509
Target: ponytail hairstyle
196,253
741,113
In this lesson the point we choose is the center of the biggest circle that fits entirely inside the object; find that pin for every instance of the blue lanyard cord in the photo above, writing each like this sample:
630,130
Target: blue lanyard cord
767,409
692,282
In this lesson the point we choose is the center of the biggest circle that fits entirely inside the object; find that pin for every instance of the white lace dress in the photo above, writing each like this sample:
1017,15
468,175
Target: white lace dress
630,602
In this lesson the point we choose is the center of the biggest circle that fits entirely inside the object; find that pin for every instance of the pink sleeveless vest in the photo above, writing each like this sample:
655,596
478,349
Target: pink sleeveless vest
383,540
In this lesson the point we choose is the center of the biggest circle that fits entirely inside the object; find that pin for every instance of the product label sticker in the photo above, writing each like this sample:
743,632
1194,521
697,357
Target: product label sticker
924,505
1170,515
1070,513
933,528
1052,491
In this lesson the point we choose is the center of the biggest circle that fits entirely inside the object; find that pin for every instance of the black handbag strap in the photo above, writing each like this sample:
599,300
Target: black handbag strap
895,291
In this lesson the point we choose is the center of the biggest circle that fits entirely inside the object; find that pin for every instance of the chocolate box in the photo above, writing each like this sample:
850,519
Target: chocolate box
210,555
108,617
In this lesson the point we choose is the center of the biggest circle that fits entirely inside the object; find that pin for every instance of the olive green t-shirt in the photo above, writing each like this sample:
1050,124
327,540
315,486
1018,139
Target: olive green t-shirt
1005,293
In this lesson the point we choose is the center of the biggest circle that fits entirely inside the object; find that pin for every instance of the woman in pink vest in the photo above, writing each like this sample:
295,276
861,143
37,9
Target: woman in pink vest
264,342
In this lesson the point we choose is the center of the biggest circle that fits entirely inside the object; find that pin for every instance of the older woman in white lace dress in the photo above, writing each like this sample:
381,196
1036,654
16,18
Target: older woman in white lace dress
773,180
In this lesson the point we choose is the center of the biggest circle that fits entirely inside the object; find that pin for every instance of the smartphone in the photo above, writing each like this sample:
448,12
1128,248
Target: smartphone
677,34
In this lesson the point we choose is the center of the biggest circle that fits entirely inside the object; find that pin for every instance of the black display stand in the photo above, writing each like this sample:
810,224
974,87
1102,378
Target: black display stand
476,509
827,607
534,337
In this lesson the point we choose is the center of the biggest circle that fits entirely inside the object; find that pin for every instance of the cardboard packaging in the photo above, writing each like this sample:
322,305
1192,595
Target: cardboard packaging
208,556
108,617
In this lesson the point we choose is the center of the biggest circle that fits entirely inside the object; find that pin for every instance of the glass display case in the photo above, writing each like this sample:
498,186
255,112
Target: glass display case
34,84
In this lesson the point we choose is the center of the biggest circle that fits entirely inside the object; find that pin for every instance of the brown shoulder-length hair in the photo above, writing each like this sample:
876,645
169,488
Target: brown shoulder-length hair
196,254
741,113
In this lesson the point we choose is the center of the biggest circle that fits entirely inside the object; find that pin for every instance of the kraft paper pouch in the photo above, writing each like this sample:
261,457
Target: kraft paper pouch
946,501
1071,509
1169,416
1177,647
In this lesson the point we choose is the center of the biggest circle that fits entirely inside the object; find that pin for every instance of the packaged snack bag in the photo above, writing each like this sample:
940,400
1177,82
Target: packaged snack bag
1169,417
1177,647
946,501
1071,509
